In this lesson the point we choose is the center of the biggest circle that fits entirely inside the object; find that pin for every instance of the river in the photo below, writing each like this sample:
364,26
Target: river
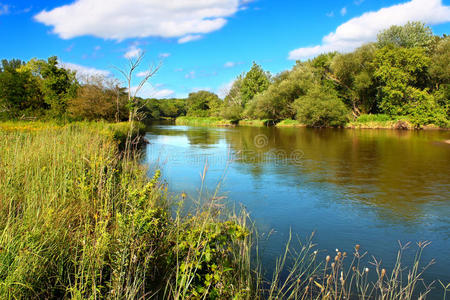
368,187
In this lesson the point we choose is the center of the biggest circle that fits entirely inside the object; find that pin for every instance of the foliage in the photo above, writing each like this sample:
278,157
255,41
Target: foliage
202,104
276,102
98,98
58,86
411,35
402,72
19,91
254,82
321,108
353,72
165,108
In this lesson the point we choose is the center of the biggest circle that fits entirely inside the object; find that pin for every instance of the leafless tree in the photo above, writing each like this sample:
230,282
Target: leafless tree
133,102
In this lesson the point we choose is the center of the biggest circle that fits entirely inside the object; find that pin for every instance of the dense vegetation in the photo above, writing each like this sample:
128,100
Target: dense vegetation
81,220
404,75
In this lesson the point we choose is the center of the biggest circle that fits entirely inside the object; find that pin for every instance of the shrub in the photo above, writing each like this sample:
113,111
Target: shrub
321,107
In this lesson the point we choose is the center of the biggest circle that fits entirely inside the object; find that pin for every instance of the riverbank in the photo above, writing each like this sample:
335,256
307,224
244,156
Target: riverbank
363,122
81,220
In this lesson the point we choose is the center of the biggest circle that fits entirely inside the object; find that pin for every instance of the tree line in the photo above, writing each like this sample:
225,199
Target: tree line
406,72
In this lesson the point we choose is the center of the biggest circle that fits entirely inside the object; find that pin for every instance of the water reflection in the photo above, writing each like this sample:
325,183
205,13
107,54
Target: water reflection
351,186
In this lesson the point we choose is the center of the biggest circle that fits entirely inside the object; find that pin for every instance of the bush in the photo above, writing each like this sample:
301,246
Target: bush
321,107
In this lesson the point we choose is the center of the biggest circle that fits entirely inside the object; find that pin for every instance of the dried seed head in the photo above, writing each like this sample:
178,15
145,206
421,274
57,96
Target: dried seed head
344,254
357,247
383,272
327,258
332,265
336,258
354,269
339,254
367,270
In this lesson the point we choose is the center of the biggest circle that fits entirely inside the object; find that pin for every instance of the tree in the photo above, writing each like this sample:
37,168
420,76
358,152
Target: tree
353,73
98,98
254,82
400,71
276,102
202,104
411,35
58,85
20,94
321,107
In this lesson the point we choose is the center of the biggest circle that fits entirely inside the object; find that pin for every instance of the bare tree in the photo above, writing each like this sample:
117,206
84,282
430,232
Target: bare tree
134,104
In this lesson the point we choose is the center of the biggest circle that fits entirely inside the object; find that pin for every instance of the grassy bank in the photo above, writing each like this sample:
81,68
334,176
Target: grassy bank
290,123
80,220
207,121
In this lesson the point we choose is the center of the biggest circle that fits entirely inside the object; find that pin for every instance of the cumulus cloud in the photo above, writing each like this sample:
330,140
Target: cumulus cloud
343,11
365,28
189,38
150,91
83,71
121,19
133,52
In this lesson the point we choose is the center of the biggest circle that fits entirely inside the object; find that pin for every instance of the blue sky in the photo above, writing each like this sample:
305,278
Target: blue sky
204,44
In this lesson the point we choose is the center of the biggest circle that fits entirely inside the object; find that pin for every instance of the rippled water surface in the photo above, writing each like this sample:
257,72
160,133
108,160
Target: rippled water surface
371,187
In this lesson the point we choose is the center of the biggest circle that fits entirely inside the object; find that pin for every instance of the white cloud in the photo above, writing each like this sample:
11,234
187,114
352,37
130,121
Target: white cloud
149,91
365,28
229,64
83,70
343,11
121,19
142,74
190,75
189,38
164,55
222,91
133,52
4,9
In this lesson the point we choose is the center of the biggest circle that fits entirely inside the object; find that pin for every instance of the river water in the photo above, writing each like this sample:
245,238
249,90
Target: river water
368,187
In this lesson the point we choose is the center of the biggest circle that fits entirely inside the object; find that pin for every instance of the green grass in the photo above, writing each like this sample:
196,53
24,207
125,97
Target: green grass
380,121
78,219
257,123
290,123
203,121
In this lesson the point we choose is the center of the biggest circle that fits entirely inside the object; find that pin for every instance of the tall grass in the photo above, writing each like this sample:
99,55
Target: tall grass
78,219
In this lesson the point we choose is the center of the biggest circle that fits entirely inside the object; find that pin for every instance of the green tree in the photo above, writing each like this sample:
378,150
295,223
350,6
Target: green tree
202,104
232,107
321,107
20,94
411,35
276,102
254,82
400,71
58,86
354,75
